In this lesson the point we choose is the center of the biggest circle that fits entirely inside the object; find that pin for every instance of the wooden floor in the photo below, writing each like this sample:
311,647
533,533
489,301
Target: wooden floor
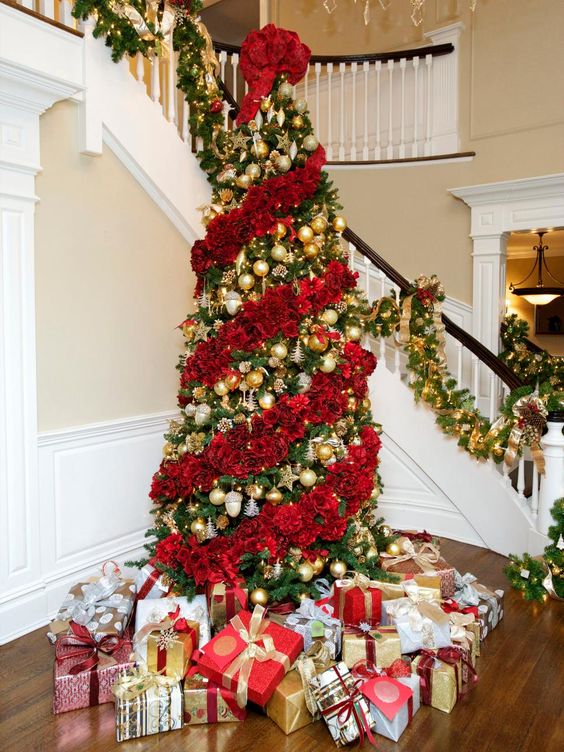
517,705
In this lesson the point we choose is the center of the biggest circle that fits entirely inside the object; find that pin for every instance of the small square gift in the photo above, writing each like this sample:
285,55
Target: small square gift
292,706
391,705
380,645
357,599
85,669
441,677
150,583
490,608
420,625
146,704
343,707
316,624
103,605
415,558
155,611
206,702
168,644
250,656
225,601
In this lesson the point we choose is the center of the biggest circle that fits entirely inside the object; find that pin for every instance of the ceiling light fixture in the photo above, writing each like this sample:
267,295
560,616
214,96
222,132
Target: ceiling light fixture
539,295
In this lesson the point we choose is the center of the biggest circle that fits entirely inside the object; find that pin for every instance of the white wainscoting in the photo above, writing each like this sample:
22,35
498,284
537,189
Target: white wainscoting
93,499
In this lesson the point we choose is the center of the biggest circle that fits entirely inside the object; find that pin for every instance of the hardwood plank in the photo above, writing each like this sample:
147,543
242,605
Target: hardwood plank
517,705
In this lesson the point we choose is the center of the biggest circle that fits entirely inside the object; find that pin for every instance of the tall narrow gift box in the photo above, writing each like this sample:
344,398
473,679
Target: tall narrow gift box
416,558
146,704
169,644
490,608
440,676
391,705
224,602
150,583
206,702
85,669
250,656
381,646
357,599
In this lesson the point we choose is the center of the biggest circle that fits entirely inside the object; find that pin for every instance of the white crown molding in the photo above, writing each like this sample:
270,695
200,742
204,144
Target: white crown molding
509,191
445,34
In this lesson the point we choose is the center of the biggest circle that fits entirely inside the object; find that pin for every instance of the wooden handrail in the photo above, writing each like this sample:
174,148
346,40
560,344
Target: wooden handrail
396,55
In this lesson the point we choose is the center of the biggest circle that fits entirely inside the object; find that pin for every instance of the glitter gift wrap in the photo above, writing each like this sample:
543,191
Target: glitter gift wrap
465,634
440,678
150,583
146,704
85,669
103,605
315,624
391,705
380,646
206,702
357,599
420,625
343,707
250,656
156,610
417,557
225,601
170,644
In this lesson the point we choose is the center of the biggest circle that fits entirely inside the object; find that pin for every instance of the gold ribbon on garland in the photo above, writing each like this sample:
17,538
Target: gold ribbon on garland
376,309
162,26
531,415
433,288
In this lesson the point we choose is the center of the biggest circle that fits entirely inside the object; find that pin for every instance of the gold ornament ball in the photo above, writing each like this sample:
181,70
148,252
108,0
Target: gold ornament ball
319,224
259,597
232,380
266,104
393,549
352,403
304,596
371,552
339,224
330,316
311,251
317,344
366,403
300,105
280,230
198,526
305,234
354,332
220,388
278,252
261,268
279,350
310,143
283,163
305,571
168,449
386,531
255,491
261,149
298,121
285,90
318,565
308,477
253,171
324,452
267,401
338,569
188,330
243,181
217,497
182,449
274,496
328,364
246,281
254,379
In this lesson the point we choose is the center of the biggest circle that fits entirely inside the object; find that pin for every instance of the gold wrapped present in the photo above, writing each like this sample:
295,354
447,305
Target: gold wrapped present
206,702
424,557
225,601
169,648
441,674
380,646
146,704
429,587
465,634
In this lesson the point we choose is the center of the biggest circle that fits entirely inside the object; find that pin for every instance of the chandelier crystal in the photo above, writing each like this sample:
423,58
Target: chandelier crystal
417,7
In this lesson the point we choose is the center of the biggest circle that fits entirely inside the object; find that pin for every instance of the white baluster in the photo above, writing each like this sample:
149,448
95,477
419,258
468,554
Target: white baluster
66,16
415,145
306,85
185,125
390,147
403,62
171,83
397,353
155,78
505,472
140,69
552,484
354,67
493,394
47,8
366,70
377,148
222,61
26,4
352,250
329,112
367,265
235,68
535,494
199,143
317,75
428,64
521,479
475,378
342,69
382,278
459,350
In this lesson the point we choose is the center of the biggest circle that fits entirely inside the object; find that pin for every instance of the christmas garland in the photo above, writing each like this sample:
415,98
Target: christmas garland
531,366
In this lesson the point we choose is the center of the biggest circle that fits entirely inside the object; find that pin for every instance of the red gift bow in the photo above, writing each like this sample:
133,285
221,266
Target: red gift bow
452,656
398,669
365,670
450,606
348,707
423,536
179,623
281,608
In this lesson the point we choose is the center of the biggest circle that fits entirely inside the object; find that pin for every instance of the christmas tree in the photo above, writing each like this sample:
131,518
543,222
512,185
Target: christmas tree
277,451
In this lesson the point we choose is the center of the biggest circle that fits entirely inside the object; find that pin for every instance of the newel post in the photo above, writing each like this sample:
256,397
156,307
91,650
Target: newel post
552,482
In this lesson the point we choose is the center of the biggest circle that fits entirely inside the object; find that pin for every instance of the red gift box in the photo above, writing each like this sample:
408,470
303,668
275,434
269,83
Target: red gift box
250,656
357,600
86,669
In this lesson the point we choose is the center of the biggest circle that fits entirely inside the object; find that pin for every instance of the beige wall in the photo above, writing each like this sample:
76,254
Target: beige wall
511,115
113,280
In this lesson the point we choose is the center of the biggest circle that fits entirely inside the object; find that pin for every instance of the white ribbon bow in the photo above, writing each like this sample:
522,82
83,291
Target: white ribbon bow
100,593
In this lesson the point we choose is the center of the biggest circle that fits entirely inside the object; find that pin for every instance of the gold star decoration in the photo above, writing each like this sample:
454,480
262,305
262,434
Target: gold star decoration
283,142
287,478
201,331
239,140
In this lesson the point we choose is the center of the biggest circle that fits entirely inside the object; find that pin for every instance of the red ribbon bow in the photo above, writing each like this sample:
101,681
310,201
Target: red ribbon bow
365,670
398,669
450,606
87,647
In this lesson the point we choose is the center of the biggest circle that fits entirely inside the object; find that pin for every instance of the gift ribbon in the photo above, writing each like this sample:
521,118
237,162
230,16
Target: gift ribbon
281,608
309,612
244,662
365,584
399,669
222,593
365,670
450,606
423,536
162,28
425,557
95,594
370,637
308,665
548,585
351,706
433,289
136,681
531,415
147,586
174,621
452,656
464,592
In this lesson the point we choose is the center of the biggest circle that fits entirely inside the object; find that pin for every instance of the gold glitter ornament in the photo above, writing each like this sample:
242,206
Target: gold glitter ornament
259,597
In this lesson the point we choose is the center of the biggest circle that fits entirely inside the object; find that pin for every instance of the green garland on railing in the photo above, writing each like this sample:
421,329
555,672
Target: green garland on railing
418,319
530,366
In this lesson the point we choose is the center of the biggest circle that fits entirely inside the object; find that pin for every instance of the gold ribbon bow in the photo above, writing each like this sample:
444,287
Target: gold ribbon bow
136,681
458,631
244,662
309,665
361,581
425,557
210,61
434,287
531,415
162,27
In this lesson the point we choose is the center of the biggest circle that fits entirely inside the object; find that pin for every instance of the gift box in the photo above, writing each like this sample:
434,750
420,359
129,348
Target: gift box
150,583
316,624
103,605
155,611
418,558
419,536
224,602
170,644
391,705
250,655
146,704
429,587
357,599
465,594
206,702
85,669
420,625
342,706
490,609
465,634
380,646
441,677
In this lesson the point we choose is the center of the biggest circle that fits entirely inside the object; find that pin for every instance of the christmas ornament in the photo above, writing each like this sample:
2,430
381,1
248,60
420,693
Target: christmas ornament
243,181
318,343
168,449
267,401
233,302
216,106
371,552
338,569
278,252
305,234
266,104
304,596
217,497
310,143
220,388
253,171
305,571
190,409
246,281
274,496
318,224
198,526
311,250
283,163
280,230
254,378
318,565
339,224
259,597
232,502
386,531
261,268
260,149
202,415
393,549
324,452
233,380
297,122
353,332
181,449
328,364
285,90
279,350
287,478
308,477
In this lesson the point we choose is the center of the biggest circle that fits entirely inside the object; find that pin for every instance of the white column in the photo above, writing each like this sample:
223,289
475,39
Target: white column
488,299
552,482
